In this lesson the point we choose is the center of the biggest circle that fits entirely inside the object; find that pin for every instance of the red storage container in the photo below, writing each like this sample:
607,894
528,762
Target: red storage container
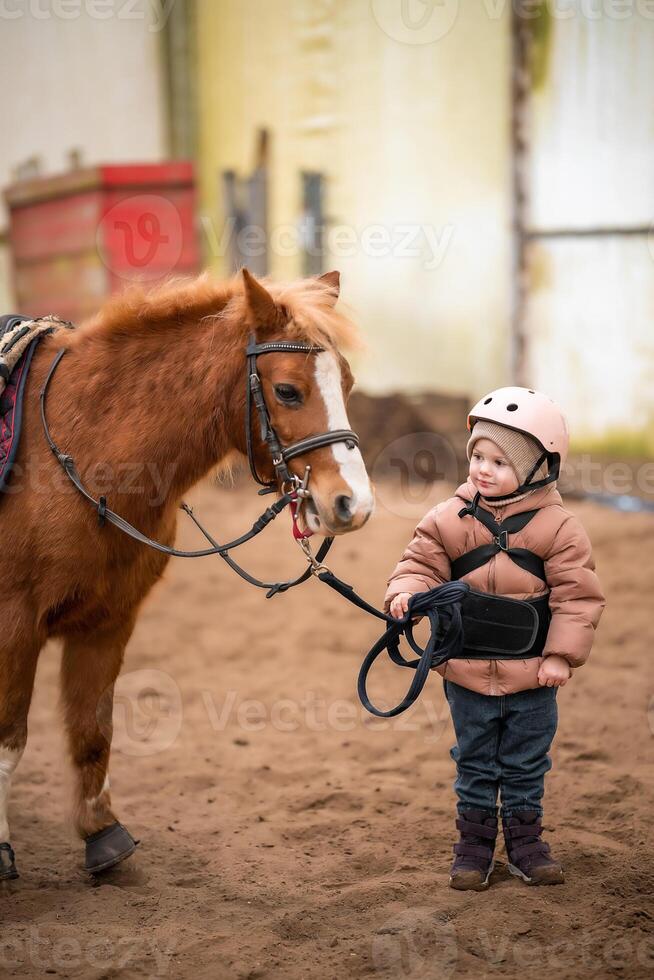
77,237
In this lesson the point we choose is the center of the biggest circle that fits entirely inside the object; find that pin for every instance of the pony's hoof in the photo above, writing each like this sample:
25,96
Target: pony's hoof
108,847
7,863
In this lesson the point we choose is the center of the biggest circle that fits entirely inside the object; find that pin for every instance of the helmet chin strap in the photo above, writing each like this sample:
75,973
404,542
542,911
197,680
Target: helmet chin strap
554,462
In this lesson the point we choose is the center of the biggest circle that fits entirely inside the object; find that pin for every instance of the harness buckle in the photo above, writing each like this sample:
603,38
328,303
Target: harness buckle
502,540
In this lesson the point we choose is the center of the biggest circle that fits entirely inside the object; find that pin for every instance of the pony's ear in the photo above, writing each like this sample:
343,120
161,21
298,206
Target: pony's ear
333,280
262,311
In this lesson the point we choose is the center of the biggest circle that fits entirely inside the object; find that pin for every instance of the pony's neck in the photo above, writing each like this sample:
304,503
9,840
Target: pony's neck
163,405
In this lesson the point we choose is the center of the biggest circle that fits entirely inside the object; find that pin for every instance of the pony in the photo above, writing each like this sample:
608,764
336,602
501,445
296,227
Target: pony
150,398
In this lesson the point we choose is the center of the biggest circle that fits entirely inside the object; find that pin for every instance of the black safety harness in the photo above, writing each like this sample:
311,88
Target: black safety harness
527,560
464,623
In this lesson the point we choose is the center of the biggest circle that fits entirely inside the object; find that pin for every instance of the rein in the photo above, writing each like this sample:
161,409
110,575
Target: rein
442,606
450,608
293,489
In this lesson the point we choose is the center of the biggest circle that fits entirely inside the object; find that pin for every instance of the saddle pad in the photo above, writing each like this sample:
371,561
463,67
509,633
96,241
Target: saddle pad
12,387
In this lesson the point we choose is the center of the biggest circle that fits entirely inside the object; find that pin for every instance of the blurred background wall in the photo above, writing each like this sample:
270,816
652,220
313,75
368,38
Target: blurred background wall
411,143
78,88
480,171
588,260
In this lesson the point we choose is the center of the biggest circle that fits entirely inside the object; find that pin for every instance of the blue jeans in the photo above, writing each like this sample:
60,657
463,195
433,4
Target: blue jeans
501,745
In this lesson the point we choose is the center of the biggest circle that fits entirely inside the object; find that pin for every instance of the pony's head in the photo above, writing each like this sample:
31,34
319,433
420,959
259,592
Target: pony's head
306,395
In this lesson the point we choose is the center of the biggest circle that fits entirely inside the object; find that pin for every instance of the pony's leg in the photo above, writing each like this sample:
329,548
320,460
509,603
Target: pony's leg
90,665
18,657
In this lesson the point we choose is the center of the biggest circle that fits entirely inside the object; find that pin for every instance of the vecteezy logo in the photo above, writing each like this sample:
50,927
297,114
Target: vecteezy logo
415,944
149,231
141,238
147,715
406,470
415,21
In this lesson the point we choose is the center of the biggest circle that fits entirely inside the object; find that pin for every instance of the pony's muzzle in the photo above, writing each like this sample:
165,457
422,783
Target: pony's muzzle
343,512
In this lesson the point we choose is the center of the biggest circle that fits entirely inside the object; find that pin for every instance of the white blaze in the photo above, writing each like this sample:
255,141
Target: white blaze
9,759
350,461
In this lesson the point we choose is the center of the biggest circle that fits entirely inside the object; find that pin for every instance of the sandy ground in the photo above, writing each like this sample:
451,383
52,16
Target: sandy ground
287,834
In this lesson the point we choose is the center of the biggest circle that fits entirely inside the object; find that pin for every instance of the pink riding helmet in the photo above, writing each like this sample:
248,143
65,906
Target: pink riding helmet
526,411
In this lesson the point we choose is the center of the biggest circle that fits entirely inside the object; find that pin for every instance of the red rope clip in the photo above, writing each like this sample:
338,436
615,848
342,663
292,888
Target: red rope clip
294,505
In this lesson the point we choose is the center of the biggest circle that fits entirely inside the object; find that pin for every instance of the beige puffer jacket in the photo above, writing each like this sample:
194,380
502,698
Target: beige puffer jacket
576,599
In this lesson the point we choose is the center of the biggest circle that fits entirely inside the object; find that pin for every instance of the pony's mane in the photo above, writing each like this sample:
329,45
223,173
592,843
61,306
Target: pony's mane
307,303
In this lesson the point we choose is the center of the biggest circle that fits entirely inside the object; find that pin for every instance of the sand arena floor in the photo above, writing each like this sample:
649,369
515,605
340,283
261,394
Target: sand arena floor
287,834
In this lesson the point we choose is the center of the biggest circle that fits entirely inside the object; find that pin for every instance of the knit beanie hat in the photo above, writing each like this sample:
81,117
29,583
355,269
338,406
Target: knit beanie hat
520,449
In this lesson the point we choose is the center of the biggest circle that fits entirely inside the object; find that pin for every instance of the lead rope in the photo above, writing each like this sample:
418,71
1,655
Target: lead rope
441,605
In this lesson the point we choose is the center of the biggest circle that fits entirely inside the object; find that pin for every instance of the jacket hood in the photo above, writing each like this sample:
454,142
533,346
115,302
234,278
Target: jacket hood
543,497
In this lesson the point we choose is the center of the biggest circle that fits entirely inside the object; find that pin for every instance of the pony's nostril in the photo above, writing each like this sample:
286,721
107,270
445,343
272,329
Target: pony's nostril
343,507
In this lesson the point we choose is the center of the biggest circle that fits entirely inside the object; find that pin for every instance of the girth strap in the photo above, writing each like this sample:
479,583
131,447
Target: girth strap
471,560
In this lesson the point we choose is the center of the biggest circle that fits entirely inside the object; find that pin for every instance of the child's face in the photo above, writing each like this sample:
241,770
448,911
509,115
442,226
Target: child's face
490,470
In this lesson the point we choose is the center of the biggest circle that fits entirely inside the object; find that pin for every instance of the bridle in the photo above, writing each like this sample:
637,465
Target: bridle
293,489
279,454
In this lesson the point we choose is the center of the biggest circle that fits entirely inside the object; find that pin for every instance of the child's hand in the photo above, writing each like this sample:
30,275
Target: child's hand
400,604
554,671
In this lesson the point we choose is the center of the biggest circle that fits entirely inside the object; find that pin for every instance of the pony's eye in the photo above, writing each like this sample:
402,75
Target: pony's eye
288,394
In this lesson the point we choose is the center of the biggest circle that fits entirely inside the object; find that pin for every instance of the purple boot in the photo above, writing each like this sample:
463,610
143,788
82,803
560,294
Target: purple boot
474,852
529,856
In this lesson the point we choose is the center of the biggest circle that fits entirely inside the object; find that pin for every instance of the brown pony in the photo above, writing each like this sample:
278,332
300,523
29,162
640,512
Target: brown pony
154,385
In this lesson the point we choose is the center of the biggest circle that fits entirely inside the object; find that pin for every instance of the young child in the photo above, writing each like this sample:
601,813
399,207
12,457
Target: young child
504,712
